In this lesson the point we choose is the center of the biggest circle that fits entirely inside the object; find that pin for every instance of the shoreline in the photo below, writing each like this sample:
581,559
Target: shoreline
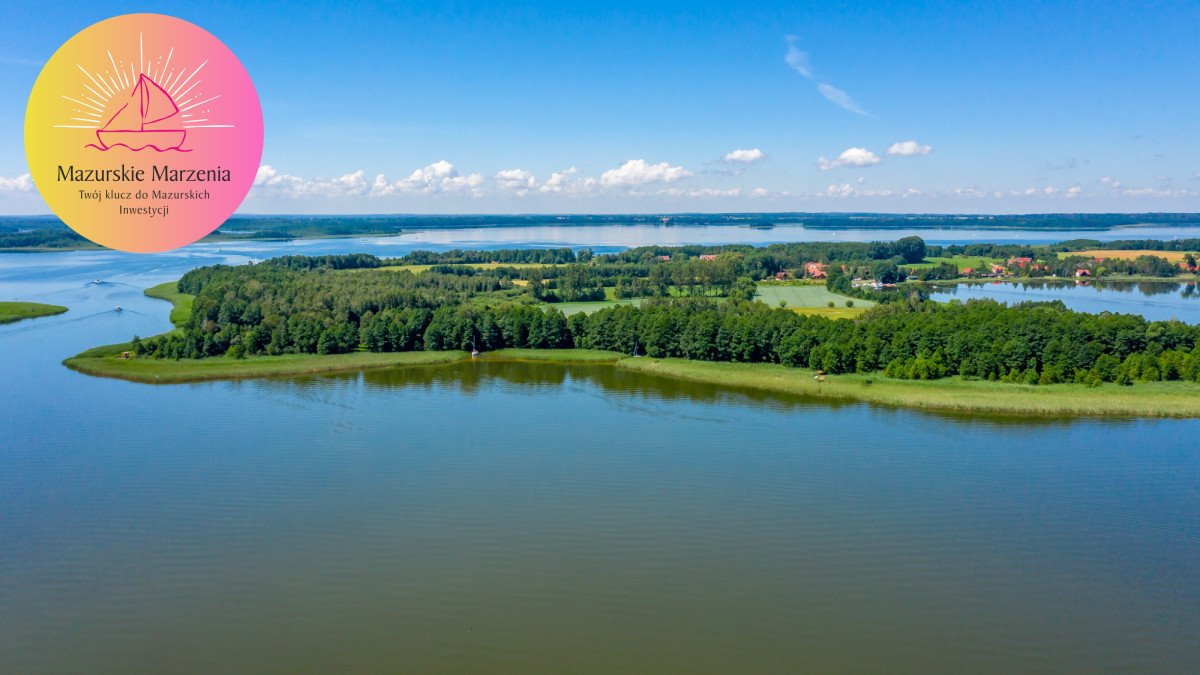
106,362
951,394
12,312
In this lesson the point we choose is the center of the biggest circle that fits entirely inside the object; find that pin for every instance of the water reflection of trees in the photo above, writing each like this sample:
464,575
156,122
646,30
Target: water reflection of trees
1187,290
471,377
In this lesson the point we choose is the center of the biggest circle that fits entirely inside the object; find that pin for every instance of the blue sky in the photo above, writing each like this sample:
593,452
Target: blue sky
642,107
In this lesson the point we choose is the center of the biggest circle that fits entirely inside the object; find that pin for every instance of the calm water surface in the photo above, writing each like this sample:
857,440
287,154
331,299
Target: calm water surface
1155,300
532,517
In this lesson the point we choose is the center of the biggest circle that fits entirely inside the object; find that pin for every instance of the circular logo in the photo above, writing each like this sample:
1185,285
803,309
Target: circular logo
143,133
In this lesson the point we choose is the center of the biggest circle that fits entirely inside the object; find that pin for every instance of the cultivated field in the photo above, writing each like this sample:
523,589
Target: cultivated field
1125,254
806,296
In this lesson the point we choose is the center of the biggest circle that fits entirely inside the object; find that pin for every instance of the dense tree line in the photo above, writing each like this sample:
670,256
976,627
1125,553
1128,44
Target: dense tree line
44,238
1128,244
287,308
540,256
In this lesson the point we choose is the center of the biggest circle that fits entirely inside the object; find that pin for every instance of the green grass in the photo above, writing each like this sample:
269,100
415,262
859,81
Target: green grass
555,355
181,303
1151,399
806,295
962,262
105,362
16,311
570,308
836,312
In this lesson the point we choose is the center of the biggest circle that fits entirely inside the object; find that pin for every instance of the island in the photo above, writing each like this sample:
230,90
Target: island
17,311
828,320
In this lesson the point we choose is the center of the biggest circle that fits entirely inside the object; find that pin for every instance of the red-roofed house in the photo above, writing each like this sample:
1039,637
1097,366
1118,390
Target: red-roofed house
815,270
708,256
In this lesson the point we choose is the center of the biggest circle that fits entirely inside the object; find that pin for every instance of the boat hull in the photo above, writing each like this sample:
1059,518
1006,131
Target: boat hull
139,140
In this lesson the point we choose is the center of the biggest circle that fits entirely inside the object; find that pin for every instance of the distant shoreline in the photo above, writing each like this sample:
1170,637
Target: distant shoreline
287,227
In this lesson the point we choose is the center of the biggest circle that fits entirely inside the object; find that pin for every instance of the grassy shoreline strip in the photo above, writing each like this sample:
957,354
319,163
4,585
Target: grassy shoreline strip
1151,399
17,311
181,303
554,355
165,371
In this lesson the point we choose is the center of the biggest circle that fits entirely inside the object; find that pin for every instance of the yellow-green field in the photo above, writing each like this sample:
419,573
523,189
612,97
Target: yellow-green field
842,312
962,262
806,296
1124,254
16,311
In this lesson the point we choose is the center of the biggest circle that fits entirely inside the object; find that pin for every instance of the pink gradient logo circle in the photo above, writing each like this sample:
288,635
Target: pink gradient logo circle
143,133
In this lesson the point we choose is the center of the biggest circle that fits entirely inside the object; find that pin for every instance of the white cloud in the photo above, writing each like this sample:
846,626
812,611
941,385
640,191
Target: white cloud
840,98
564,182
267,179
843,190
851,157
1073,192
1111,182
22,183
909,148
759,192
797,58
699,192
441,177
638,172
748,156
518,181
972,191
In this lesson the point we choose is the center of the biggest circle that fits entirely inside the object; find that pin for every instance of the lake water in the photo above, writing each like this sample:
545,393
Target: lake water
532,517
1155,300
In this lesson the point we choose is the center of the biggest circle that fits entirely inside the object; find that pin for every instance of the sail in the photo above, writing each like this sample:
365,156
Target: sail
156,103
148,108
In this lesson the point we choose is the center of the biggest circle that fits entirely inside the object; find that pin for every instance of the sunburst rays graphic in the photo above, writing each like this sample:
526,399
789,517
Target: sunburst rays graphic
147,103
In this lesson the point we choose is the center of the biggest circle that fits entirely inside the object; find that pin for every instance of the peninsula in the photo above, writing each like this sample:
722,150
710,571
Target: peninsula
678,312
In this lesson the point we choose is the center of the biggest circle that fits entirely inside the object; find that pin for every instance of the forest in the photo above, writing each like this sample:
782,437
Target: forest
339,304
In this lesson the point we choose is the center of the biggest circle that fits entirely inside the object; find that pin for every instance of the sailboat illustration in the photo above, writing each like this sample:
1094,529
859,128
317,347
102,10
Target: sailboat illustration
150,119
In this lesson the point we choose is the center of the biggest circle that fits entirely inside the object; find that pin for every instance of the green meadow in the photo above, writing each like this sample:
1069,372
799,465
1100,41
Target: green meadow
16,311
